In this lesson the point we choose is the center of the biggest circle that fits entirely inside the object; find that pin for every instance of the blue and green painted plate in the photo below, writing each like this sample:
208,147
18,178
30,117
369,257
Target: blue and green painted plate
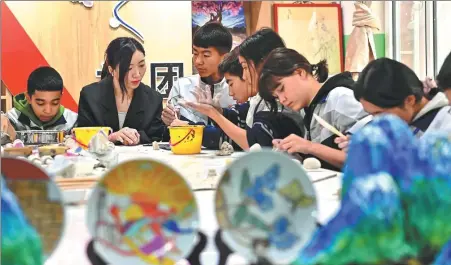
266,206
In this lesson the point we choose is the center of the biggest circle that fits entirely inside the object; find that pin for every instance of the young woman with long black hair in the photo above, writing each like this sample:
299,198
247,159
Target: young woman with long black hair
120,100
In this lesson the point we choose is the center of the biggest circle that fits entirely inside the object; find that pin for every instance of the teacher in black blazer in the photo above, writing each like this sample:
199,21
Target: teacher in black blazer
120,101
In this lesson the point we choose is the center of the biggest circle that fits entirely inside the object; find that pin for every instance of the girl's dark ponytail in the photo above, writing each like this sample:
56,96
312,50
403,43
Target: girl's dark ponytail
432,93
320,71
430,88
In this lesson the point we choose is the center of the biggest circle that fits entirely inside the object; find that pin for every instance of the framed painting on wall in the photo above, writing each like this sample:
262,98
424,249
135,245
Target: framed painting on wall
314,30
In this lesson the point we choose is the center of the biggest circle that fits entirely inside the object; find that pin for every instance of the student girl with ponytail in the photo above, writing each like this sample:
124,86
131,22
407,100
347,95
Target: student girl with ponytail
289,78
390,87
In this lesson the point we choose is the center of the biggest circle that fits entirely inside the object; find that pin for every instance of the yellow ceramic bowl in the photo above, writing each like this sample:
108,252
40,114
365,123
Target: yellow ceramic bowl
83,135
186,140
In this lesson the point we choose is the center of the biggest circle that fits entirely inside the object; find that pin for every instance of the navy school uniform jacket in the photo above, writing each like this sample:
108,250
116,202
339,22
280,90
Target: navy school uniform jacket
435,116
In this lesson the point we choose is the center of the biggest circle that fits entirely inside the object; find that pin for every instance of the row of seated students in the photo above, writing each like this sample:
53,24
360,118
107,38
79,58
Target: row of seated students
259,92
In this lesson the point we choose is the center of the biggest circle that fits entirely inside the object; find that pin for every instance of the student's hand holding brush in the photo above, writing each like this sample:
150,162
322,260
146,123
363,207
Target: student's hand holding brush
169,114
343,142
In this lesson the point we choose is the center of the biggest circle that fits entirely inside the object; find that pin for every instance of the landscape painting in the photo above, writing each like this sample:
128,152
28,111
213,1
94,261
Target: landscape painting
228,13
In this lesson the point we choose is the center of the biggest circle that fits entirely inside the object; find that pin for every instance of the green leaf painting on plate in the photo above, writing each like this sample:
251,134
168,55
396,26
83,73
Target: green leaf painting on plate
246,181
257,222
240,215
294,192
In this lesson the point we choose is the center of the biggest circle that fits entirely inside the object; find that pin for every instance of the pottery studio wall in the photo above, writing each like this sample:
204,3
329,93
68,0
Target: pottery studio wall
261,15
72,38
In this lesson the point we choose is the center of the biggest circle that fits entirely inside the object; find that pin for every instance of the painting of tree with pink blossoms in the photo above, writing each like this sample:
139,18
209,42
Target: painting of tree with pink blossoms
229,13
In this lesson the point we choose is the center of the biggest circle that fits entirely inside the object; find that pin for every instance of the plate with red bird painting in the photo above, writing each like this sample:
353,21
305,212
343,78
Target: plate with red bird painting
142,212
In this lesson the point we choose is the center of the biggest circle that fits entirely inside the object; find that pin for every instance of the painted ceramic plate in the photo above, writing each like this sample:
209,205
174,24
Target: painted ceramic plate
35,199
142,212
265,205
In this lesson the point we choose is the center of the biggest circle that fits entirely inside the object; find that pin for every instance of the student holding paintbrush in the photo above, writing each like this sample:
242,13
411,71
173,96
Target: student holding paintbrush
330,109
386,86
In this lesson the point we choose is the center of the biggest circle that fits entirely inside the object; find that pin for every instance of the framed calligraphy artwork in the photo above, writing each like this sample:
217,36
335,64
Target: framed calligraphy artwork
163,76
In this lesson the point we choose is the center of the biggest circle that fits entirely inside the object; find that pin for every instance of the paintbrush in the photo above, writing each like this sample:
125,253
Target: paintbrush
175,113
326,125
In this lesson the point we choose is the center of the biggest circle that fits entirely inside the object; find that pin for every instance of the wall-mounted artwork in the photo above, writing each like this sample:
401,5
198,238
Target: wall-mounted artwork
164,75
229,13
314,30
116,21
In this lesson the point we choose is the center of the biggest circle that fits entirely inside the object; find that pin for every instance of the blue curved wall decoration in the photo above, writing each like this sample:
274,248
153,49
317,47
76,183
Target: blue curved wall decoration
116,21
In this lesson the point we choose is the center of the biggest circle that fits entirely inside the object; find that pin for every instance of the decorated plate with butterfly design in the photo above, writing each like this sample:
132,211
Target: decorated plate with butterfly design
265,206
142,212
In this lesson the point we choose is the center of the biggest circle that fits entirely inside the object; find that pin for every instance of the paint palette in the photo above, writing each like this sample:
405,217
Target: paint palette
142,212
32,213
266,206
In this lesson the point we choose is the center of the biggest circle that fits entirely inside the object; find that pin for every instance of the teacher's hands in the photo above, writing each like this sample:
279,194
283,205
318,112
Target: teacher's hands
126,136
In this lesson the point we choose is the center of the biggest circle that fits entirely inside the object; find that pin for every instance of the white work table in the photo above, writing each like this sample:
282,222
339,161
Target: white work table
72,249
